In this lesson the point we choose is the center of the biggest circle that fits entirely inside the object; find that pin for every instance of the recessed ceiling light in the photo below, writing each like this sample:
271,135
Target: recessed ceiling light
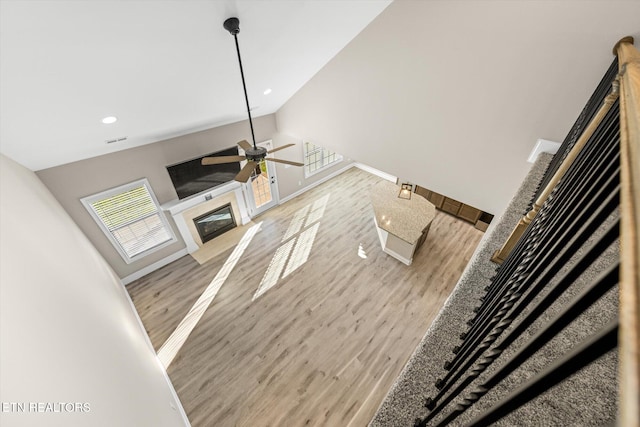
267,92
109,120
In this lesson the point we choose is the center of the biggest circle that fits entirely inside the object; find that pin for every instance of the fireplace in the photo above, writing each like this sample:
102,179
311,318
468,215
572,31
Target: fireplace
215,222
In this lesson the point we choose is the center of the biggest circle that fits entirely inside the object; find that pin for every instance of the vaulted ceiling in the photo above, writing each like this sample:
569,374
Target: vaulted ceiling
163,68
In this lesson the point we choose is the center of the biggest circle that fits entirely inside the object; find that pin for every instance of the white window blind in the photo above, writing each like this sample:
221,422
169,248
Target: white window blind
130,217
317,158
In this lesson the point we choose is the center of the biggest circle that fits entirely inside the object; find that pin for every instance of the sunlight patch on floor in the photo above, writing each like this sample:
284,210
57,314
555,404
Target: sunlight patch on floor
302,250
275,268
296,223
174,343
317,210
297,246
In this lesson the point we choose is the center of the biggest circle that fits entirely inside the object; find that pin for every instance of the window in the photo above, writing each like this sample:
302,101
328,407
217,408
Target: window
318,158
130,217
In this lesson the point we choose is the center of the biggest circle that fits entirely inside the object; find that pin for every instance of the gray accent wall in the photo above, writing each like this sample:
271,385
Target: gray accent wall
71,182
452,95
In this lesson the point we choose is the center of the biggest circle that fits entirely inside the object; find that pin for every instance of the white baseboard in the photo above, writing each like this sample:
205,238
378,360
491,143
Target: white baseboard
362,166
153,267
376,172
315,184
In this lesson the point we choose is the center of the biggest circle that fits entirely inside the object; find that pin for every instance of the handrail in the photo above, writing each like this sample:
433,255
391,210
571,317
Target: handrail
500,255
568,231
585,116
629,334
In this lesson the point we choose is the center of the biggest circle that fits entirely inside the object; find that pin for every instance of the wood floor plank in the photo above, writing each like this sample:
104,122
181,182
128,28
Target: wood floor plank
323,346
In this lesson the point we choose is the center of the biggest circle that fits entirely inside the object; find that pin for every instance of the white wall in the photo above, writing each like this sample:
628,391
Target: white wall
68,331
291,179
452,95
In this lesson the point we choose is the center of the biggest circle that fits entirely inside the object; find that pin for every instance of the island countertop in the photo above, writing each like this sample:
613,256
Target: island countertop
403,218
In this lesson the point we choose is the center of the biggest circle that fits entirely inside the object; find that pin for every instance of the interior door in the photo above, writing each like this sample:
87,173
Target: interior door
262,188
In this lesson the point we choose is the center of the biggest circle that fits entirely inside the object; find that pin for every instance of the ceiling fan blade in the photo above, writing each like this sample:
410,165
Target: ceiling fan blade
222,159
244,144
280,148
245,173
286,162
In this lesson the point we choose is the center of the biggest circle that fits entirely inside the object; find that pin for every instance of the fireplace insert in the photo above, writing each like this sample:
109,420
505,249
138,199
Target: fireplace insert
215,222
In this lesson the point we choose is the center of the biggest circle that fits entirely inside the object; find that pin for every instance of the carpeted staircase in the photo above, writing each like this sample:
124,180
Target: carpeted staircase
588,398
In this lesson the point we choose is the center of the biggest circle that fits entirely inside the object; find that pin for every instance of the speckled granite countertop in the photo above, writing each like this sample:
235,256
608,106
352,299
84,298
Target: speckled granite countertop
400,217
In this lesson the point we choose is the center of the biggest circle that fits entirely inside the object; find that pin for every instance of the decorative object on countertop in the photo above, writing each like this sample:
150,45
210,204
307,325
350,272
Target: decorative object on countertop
405,191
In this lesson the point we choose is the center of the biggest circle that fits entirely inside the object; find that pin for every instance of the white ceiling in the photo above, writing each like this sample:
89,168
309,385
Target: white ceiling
164,68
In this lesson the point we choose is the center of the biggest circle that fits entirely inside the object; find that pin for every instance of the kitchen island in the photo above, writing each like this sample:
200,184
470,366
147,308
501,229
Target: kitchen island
402,224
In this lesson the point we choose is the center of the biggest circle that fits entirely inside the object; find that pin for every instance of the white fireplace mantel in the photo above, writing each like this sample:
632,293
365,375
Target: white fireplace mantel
183,211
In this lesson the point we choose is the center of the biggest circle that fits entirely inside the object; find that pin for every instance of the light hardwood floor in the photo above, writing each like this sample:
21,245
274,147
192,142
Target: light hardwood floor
324,345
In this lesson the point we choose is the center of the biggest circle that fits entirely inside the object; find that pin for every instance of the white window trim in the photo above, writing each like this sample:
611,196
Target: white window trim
89,200
308,174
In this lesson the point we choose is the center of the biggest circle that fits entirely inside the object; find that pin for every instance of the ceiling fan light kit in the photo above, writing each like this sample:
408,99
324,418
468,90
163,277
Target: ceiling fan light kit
253,154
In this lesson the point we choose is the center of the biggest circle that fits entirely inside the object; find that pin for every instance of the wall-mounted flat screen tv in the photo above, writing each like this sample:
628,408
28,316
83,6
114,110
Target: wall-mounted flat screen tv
190,177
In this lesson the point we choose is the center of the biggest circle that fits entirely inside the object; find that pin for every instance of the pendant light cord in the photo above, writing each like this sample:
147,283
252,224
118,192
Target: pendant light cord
244,86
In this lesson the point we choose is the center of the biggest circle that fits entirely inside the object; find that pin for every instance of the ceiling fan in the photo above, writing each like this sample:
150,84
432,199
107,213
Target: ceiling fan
254,155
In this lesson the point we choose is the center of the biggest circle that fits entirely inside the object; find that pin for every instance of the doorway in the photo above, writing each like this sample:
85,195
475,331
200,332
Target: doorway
262,189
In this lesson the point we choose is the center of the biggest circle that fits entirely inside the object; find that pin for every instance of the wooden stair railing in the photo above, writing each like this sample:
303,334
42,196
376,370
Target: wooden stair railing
591,202
524,222
629,338
585,117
